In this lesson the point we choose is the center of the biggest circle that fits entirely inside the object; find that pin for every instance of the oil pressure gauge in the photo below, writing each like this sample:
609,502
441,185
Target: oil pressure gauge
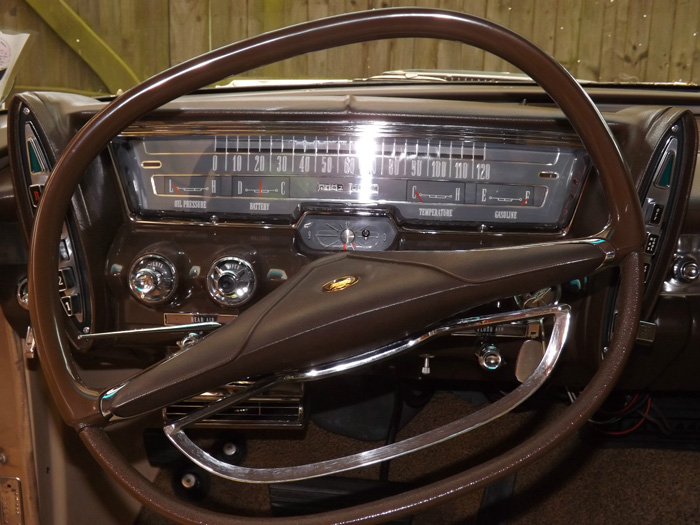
231,281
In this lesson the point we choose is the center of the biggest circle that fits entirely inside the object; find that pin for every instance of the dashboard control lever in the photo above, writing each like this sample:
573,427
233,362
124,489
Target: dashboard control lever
425,370
30,344
156,334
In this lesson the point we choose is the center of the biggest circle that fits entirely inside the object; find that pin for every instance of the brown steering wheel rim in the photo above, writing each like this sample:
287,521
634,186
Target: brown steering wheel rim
78,404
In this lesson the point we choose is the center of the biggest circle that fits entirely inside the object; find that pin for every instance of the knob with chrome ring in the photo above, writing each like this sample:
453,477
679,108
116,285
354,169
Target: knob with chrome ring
231,281
152,279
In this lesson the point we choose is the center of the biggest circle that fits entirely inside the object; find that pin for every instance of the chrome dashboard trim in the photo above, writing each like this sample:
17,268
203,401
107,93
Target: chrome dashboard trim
138,333
387,128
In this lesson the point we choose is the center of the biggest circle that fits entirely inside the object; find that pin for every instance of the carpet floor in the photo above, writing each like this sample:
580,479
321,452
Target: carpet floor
580,482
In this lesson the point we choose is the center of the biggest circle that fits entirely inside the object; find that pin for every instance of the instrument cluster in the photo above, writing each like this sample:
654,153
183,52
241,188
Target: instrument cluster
351,188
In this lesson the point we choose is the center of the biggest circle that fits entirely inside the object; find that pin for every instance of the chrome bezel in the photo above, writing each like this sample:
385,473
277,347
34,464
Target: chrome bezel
143,297
23,298
222,298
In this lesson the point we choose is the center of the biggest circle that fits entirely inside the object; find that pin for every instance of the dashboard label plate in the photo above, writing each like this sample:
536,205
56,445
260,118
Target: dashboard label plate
170,319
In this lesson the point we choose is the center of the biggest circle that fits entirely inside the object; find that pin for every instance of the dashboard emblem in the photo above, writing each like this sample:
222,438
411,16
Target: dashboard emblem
340,284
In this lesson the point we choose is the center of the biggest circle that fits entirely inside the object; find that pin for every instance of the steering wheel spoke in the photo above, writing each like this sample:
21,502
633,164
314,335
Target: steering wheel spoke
306,323
560,326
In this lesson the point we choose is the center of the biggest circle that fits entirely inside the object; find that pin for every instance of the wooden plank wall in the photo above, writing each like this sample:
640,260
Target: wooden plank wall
607,40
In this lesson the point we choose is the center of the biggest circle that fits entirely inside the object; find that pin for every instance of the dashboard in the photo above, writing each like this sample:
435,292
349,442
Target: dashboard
208,207
201,209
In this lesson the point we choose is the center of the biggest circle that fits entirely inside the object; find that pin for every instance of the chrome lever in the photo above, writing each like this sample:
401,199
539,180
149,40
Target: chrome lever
155,334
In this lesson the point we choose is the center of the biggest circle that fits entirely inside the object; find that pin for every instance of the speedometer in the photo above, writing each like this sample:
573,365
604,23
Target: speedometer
417,175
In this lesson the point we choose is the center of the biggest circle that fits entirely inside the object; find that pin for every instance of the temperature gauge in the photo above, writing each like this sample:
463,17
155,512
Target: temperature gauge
439,192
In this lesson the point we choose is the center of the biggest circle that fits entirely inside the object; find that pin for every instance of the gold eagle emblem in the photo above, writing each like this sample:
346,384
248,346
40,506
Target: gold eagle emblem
340,284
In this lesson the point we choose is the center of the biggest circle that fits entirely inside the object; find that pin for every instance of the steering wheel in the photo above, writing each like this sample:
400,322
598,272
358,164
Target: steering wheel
451,281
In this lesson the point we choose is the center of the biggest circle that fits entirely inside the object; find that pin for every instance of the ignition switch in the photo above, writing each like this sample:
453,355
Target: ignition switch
231,281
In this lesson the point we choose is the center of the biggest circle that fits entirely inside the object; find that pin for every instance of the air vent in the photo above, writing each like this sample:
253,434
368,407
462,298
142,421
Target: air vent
281,407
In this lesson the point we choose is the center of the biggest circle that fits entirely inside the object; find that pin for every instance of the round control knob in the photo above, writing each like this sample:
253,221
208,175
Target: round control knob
145,281
23,294
686,270
231,281
152,279
490,357
347,236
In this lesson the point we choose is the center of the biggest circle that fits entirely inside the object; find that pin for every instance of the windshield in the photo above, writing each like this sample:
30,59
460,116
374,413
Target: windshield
103,47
